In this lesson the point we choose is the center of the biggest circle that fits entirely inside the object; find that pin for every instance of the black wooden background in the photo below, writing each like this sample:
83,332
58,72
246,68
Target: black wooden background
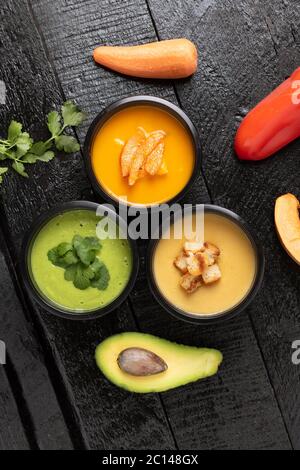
51,394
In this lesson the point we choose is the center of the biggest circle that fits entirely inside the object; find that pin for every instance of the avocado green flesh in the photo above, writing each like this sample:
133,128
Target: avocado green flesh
185,363
49,279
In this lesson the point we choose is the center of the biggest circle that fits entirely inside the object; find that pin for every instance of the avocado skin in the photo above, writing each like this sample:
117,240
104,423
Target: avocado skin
185,363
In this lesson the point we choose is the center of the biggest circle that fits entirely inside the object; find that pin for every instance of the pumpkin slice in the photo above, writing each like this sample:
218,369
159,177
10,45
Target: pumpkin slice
288,224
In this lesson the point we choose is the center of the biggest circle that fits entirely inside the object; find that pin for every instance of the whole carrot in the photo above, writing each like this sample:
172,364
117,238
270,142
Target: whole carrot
174,58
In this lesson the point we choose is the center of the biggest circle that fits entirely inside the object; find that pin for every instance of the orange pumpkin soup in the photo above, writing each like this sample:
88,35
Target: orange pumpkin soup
178,156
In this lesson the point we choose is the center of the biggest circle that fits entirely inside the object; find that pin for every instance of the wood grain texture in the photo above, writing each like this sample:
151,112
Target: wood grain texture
98,414
43,418
233,409
12,435
246,49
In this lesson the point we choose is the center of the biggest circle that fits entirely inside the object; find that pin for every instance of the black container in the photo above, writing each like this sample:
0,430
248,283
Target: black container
228,314
28,278
117,106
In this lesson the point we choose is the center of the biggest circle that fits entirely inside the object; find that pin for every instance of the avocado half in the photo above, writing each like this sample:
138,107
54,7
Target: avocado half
185,363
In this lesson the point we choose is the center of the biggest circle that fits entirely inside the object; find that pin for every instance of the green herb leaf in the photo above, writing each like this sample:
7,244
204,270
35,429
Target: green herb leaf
70,258
39,148
19,168
102,278
54,123
67,143
63,255
86,249
32,158
83,277
81,265
70,273
23,143
96,267
71,114
3,170
63,248
54,257
14,130
20,148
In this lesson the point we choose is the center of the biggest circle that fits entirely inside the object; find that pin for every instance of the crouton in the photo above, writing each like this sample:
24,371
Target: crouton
212,252
181,263
192,246
190,283
211,274
193,265
203,260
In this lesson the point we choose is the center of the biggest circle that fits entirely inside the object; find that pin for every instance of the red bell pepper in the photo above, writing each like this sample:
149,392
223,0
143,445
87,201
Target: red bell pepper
272,124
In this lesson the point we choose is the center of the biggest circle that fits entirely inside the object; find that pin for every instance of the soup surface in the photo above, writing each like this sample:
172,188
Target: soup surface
237,263
179,155
116,254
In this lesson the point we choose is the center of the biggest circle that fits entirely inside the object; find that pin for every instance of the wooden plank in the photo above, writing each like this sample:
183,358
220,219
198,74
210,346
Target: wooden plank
29,375
12,435
99,415
225,412
246,50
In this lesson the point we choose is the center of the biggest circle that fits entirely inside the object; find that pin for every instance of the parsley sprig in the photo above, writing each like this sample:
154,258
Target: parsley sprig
20,148
79,259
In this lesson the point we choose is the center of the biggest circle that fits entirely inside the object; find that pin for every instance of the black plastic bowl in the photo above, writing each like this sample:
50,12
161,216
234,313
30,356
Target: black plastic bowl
228,314
117,106
38,296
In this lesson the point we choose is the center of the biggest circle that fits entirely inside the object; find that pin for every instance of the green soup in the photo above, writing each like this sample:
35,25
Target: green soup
49,279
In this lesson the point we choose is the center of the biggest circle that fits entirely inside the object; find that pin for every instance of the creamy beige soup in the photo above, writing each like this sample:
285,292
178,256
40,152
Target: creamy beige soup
237,263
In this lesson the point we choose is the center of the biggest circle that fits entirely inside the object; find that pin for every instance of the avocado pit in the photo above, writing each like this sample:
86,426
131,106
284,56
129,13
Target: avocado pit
140,362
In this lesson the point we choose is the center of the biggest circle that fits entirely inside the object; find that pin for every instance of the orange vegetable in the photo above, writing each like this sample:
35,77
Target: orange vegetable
288,224
174,58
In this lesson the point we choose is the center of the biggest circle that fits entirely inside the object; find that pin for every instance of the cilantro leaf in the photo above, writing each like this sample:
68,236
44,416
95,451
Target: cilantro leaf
70,258
19,146
14,130
81,265
102,278
63,248
70,272
54,123
83,277
54,257
19,168
63,255
71,114
3,152
67,143
96,267
32,158
39,148
23,143
3,170
87,249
